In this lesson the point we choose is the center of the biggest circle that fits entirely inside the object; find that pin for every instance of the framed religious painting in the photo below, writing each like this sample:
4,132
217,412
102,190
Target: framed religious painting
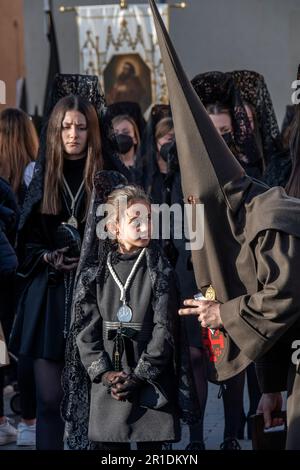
120,46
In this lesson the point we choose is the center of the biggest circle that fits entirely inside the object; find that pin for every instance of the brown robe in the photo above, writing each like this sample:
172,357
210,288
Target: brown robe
265,322
251,251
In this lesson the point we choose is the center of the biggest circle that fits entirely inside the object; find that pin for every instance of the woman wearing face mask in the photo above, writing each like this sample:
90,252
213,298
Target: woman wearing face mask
221,97
157,163
128,140
232,391
221,117
233,121
258,104
164,137
233,388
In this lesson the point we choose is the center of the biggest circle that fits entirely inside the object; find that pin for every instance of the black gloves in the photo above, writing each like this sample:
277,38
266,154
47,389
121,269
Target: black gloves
59,261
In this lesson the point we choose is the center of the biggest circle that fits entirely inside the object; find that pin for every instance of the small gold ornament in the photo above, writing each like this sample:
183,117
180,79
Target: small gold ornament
210,293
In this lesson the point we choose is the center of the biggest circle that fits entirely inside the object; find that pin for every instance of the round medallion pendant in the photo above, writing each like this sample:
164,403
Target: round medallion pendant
124,314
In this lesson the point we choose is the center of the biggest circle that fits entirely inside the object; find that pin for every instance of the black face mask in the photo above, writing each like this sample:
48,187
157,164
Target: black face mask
229,139
125,143
168,150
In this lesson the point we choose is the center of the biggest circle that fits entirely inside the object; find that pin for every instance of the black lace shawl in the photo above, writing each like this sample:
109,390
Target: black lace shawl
76,382
88,87
212,87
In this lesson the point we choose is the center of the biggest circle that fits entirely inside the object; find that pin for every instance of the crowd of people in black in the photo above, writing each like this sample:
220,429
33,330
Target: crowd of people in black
84,381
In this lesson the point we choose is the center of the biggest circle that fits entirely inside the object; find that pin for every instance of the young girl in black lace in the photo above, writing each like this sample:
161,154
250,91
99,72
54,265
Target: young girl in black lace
127,344
72,156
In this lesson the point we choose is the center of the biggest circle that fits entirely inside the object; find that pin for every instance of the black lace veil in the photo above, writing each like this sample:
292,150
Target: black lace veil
212,87
254,90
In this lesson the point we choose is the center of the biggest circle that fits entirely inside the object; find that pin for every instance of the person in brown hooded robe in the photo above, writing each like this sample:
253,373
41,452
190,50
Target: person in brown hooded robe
250,256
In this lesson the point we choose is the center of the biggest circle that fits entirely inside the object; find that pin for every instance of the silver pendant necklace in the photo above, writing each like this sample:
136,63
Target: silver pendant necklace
124,313
72,220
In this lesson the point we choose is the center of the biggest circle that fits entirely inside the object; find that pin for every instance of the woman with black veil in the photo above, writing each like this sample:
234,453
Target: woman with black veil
260,111
74,146
218,89
224,104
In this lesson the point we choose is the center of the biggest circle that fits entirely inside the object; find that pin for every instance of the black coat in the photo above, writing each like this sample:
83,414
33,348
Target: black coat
8,258
8,224
41,316
151,413
163,356
43,308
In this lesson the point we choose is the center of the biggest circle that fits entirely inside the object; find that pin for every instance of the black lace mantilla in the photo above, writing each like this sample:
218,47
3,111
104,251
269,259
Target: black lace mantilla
234,89
212,87
254,90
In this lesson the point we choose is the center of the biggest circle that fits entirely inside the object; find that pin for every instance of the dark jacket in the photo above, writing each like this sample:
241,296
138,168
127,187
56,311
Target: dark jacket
150,354
160,360
8,225
8,258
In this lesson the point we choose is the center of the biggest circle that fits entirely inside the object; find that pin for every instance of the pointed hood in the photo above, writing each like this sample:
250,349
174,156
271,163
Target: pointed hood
210,175
198,135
